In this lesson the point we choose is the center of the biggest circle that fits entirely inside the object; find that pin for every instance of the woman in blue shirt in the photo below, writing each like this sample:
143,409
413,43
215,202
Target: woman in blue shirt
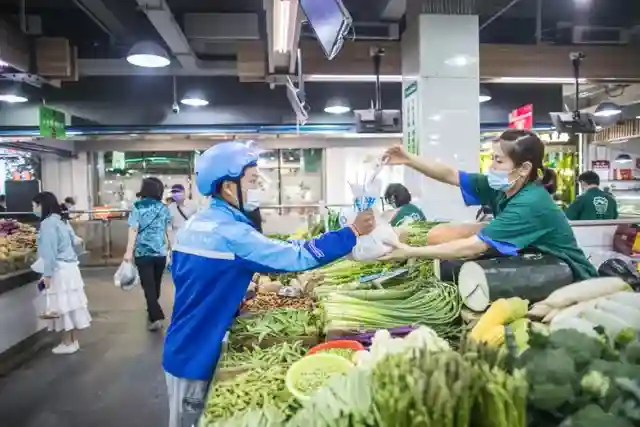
148,243
63,293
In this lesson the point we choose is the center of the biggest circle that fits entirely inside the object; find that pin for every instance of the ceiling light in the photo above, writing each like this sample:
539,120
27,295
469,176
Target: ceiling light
484,95
284,23
194,101
459,61
607,109
567,80
148,54
12,98
337,106
623,158
3,64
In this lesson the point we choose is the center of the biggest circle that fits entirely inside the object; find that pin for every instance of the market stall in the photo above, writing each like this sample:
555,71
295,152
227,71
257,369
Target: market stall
390,344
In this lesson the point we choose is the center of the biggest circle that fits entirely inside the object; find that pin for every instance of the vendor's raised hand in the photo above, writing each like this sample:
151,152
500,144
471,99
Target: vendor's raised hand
364,223
396,155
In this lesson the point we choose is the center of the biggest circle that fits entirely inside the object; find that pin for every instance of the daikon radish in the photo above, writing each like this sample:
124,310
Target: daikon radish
574,310
631,315
539,310
631,299
585,291
612,324
549,317
577,323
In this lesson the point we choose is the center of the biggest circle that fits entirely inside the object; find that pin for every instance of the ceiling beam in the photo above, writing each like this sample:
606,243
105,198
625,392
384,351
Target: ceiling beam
104,17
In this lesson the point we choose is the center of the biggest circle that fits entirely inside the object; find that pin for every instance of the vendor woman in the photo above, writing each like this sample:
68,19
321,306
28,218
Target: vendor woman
399,197
525,215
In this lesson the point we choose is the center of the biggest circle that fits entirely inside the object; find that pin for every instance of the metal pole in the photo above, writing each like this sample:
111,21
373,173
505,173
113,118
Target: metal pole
539,22
499,14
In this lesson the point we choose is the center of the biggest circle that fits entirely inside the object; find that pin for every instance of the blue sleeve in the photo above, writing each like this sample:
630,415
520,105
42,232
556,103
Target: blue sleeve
134,218
264,255
468,189
503,247
48,247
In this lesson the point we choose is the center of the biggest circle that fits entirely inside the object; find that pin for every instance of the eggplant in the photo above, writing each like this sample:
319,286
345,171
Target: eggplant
616,267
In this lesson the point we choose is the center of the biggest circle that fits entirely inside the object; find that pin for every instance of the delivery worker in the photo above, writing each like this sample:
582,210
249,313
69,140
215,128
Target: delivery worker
593,203
399,197
216,254
525,216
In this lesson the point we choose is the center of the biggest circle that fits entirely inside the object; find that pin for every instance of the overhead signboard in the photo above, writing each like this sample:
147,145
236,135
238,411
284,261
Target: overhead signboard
522,117
52,123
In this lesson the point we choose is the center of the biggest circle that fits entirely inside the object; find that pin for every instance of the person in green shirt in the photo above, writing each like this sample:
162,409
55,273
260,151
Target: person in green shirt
399,197
593,203
525,216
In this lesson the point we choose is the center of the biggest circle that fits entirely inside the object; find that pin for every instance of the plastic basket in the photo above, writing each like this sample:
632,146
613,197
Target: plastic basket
346,344
330,363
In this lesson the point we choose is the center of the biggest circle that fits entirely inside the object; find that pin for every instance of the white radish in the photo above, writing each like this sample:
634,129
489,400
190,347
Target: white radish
539,310
629,314
585,291
612,324
630,299
579,324
574,310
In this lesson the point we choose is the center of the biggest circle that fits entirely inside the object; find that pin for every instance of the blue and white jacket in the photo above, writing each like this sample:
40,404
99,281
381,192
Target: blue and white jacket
215,256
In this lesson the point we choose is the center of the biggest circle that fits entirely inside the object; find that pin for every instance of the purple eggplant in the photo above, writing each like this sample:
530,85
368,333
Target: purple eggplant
366,337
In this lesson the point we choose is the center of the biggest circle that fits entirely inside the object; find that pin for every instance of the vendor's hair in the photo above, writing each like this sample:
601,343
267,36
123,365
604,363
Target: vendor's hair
589,178
399,193
152,188
70,200
549,180
48,203
523,146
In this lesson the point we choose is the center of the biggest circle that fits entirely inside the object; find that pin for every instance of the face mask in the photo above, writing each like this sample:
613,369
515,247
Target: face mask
499,180
38,214
253,200
178,197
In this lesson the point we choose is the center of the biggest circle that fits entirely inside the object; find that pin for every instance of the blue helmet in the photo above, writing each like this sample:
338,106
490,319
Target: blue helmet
225,161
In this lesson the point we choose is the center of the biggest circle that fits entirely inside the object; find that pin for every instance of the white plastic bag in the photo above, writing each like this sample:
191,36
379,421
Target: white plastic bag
126,276
366,195
48,310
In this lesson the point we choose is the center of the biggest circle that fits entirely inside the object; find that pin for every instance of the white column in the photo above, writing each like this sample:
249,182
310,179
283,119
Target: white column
66,177
441,84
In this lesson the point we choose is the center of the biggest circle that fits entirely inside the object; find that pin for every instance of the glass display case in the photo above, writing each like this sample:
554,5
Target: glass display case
17,246
627,194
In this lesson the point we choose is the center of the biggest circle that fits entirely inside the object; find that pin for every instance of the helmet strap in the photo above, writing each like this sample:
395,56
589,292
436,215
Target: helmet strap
239,195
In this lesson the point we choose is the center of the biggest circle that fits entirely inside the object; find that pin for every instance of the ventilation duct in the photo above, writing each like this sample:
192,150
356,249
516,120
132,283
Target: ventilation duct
222,27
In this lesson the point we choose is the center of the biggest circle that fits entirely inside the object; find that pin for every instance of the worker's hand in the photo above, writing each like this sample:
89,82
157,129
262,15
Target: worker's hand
396,155
364,223
400,252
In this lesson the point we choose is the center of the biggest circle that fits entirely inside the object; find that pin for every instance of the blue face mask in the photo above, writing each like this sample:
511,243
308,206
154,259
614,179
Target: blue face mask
499,180
37,214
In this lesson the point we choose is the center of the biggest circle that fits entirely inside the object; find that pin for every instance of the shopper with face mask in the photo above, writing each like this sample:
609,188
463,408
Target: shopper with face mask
398,196
215,257
180,208
525,216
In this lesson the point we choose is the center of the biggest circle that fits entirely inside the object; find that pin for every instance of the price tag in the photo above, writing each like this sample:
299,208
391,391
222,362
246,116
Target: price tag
290,291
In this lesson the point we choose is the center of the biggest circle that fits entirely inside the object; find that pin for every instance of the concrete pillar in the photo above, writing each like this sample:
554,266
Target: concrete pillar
441,112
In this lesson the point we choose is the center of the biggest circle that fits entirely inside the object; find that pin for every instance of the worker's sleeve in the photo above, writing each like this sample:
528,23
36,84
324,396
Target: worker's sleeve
514,229
573,211
264,255
48,247
475,189
616,214
134,218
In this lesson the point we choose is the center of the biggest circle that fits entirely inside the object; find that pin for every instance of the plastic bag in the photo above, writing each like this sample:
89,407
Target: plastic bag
126,276
383,238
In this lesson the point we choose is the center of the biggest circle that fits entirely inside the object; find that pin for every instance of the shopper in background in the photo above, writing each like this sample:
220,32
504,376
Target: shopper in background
147,245
593,203
549,180
525,216
180,208
63,285
399,197
215,257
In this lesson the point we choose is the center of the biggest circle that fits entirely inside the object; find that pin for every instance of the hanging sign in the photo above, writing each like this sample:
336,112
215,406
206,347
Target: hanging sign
52,123
602,168
118,160
410,115
522,117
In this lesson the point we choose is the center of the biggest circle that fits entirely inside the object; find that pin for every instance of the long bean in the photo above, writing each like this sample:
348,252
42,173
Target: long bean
286,353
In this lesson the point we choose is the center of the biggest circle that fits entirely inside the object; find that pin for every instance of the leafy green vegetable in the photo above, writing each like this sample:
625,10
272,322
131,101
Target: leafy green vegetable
551,375
594,416
580,347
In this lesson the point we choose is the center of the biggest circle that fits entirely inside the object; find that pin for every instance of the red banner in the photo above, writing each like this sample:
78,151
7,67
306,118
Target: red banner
522,117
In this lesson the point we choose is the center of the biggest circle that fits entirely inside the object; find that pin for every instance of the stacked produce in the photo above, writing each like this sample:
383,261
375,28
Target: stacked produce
281,353
607,302
502,316
275,325
17,246
271,301
578,380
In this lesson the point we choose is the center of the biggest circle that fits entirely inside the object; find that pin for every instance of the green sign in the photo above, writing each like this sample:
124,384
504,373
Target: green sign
52,123
410,116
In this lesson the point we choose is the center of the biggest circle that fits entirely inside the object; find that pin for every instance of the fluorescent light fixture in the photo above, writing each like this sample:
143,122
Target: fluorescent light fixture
3,64
148,54
194,101
484,95
607,109
285,15
12,98
337,106
558,80
354,78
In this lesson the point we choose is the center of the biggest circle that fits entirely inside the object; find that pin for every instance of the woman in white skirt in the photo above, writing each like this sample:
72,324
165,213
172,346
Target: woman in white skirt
63,300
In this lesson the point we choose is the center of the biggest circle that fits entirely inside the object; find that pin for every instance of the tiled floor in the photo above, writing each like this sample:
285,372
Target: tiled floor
116,380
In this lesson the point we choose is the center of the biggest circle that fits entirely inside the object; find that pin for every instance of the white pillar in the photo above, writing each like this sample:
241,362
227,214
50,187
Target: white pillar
441,112
67,177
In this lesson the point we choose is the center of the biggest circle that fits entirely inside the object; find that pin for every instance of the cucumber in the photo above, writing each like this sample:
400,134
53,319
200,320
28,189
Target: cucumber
532,277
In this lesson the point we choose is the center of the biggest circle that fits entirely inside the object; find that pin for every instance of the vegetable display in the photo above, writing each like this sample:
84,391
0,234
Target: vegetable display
270,301
280,323
282,353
